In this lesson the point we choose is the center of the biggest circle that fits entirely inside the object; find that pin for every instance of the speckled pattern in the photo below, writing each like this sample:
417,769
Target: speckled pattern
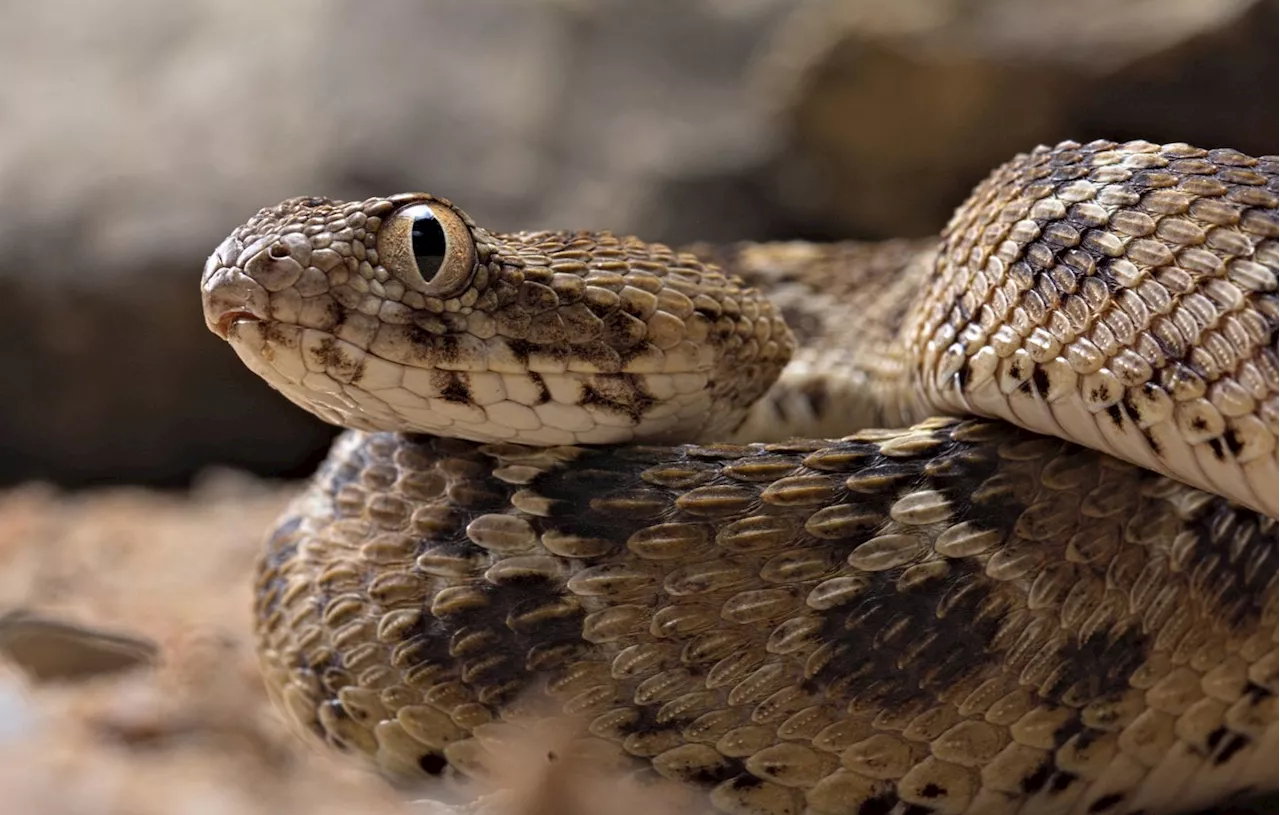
1123,298
961,615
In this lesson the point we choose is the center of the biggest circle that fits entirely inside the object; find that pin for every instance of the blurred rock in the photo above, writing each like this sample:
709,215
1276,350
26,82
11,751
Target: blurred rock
49,649
894,110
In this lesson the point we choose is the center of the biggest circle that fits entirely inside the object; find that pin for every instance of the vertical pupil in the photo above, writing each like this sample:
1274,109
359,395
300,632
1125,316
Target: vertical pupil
428,243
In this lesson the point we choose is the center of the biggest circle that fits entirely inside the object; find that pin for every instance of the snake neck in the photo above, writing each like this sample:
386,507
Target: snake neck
850,370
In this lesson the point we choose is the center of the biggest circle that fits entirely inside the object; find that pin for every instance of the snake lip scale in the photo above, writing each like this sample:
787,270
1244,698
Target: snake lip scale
981,523
227,322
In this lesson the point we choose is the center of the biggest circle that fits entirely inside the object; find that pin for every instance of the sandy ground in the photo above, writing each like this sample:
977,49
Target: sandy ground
194,735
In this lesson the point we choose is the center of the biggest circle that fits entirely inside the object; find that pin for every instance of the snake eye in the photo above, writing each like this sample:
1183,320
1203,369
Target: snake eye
428,248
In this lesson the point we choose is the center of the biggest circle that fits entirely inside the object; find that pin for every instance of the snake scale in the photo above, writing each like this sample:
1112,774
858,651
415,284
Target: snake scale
647,490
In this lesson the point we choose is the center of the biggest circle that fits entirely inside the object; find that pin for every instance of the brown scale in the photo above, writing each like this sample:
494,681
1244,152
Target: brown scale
966,643
958,616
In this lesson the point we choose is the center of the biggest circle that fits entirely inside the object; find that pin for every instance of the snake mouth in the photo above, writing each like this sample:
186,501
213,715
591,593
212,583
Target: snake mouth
230,318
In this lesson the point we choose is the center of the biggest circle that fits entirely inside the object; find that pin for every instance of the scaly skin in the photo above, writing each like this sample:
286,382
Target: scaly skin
960,616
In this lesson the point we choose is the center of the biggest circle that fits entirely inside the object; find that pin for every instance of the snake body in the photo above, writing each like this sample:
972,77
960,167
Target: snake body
1052,590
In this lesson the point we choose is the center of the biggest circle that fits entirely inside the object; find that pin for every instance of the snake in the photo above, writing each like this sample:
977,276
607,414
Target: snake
978,523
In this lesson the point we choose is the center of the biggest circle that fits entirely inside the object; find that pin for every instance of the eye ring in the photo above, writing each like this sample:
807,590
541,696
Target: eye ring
428,247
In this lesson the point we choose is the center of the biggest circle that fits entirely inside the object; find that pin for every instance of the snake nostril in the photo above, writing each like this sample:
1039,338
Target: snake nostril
278,250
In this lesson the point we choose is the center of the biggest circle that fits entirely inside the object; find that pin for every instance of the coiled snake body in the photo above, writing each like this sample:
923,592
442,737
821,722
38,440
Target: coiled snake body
1066,606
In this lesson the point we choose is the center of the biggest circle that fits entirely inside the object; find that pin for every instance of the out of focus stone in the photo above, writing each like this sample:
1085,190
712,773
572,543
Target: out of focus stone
895,109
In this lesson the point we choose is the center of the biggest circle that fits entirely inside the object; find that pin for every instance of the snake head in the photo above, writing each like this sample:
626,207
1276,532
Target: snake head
400,313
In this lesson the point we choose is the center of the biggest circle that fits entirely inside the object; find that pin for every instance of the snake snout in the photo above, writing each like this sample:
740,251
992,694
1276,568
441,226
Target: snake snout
230,296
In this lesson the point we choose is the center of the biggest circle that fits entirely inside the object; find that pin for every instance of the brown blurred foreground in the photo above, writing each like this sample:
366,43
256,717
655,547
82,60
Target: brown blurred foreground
196,734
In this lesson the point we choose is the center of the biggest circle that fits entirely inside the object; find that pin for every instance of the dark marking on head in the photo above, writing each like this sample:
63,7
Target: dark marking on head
274,333
544,393
520,349
618,393
328,354
361,368
457,389
448,348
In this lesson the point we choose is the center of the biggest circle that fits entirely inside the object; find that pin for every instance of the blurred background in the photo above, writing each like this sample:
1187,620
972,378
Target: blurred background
135,134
